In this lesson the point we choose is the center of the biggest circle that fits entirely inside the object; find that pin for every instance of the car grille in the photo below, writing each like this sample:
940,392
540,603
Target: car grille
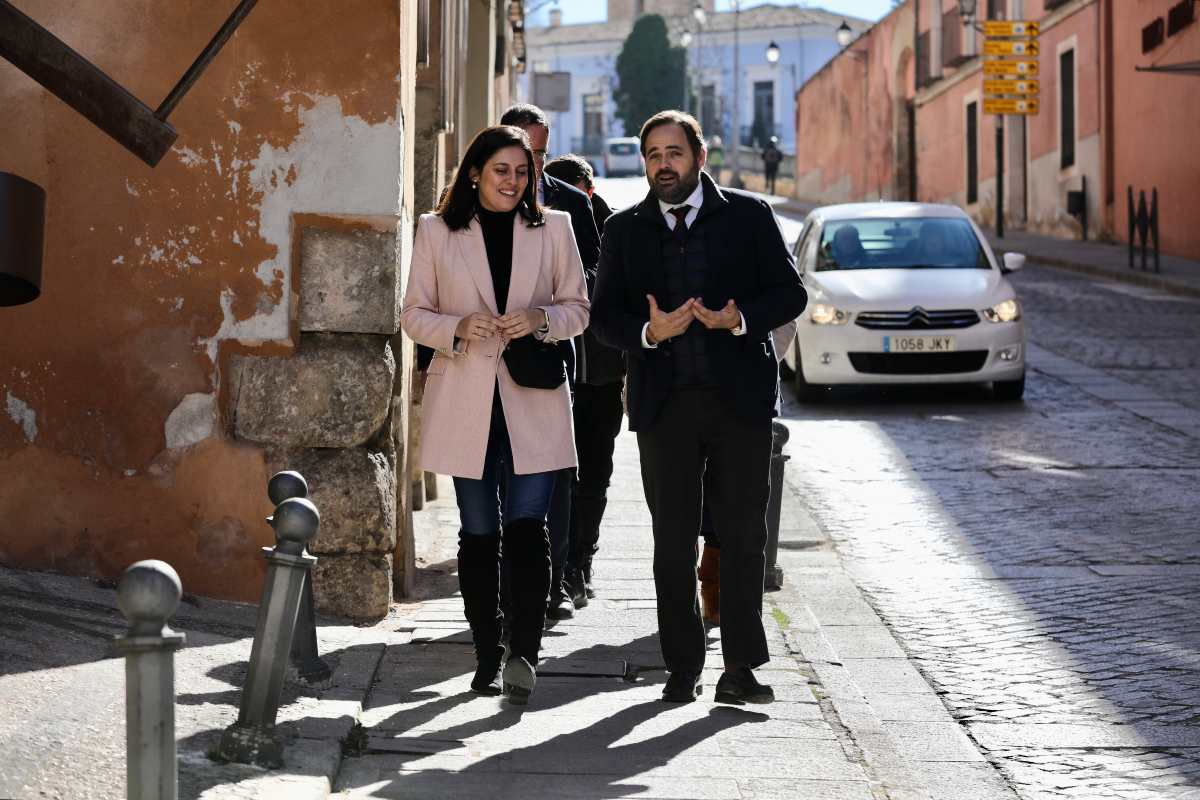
918,363
916,319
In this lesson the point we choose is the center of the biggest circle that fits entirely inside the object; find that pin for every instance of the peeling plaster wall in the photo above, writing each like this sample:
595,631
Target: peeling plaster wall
110,445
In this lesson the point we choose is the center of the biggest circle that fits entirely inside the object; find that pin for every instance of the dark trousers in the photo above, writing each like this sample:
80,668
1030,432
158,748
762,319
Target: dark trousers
695,435
559,519
598,412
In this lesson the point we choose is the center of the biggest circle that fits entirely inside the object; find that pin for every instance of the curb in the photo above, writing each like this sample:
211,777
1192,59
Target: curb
1149,280
907,755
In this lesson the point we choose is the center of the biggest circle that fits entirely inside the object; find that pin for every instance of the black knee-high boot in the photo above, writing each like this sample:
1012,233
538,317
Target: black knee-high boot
527,552
479,580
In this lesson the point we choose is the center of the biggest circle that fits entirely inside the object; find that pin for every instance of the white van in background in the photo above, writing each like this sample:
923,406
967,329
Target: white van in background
623,156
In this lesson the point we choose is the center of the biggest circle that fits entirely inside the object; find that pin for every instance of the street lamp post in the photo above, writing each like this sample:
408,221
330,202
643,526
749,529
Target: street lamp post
735,178
685,39
844,37
701,18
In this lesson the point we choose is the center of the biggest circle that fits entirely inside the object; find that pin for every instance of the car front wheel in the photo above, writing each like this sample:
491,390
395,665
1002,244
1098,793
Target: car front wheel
1009,391
806,392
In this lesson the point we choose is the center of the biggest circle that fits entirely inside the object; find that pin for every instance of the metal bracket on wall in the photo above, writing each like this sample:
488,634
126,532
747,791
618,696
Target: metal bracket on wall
86,88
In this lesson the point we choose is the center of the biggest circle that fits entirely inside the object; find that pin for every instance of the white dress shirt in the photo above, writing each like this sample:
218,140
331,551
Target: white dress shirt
693,201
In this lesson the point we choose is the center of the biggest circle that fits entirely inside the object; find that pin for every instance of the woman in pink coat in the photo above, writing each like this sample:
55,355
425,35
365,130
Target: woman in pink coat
490,267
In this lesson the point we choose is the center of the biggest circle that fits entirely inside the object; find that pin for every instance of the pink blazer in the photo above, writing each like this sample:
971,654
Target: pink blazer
449,279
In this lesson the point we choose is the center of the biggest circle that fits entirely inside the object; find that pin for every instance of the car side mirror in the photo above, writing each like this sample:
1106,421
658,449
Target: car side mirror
1013,261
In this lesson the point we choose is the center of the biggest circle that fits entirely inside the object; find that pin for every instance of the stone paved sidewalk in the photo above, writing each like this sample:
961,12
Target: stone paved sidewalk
853,719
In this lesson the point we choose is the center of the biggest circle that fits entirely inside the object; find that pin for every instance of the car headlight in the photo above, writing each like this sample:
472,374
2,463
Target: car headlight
1005,311
828,315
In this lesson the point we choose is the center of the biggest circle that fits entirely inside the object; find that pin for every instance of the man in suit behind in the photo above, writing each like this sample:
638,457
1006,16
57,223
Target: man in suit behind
559,195
597,412
692,281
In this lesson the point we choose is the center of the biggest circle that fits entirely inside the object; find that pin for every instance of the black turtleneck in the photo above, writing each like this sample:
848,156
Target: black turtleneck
497,229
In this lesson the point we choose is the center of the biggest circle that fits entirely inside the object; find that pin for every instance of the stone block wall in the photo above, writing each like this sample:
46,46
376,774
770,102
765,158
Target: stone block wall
328,410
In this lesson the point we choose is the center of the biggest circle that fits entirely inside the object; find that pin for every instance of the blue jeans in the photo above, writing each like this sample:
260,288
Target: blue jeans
501,495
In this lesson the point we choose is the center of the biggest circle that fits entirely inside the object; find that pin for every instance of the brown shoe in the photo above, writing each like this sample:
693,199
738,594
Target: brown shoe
710,585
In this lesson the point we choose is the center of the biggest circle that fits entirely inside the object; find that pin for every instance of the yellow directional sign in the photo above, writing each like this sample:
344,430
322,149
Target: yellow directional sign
1011,87
995,105
997,27
992,47
1021,67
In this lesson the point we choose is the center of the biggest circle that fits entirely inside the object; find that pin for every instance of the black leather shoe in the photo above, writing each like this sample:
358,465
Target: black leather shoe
682,687
560,607
487,674
577,589
519,680
740,686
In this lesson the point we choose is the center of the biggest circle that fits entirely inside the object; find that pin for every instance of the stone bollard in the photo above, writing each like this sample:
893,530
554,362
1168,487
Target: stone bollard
253,738
148,595
779,437
305,656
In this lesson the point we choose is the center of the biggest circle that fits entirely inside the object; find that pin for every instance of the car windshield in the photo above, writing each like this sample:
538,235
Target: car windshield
622,148
908,243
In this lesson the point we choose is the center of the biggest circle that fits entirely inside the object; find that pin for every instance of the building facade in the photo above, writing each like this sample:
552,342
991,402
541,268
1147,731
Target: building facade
1118,83
234,310
805,38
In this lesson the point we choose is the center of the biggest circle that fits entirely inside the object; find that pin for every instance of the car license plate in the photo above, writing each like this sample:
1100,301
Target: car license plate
918,344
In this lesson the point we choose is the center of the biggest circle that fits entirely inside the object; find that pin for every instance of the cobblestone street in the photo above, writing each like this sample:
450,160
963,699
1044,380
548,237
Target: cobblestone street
1039,562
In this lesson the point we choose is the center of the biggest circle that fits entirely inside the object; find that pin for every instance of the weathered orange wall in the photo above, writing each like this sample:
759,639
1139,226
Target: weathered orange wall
848,118
941,120
1156,122
148,271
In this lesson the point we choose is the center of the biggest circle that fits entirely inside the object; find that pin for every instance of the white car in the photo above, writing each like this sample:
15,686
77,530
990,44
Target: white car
623,156
904,293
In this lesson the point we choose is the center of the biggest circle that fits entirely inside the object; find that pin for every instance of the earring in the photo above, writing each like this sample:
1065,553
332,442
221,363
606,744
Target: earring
475,185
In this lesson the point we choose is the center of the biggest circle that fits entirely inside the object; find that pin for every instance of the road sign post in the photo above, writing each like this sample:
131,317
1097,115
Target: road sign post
1010,85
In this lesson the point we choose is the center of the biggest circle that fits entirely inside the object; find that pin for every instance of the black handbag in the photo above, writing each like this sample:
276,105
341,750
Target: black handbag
534,364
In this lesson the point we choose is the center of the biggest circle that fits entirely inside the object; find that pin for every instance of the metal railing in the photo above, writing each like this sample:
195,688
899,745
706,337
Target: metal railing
1143,225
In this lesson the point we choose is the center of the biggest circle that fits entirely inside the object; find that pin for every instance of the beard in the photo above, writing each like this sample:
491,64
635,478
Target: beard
677,190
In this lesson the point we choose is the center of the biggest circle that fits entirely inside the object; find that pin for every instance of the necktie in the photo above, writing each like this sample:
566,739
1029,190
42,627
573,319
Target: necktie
681,214
681,230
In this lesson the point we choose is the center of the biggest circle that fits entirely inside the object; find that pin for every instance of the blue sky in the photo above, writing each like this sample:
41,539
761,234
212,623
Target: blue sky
593,10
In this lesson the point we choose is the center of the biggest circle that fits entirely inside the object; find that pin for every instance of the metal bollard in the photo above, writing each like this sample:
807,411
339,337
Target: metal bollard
305,656
779,437
253,739
148,595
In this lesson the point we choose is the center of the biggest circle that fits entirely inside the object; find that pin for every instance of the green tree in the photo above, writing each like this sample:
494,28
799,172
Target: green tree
649,73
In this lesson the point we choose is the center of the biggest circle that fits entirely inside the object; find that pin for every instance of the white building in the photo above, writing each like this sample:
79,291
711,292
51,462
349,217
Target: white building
805,38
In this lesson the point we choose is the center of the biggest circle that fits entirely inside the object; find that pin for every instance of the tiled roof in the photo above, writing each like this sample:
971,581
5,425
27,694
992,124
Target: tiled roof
762,16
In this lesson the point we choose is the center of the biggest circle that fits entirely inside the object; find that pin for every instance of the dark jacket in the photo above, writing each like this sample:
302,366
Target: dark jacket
593,362
600,212
749,262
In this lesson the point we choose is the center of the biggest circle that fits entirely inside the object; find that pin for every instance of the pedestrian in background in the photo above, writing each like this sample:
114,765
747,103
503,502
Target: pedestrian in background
716,157
490,268
692,281
771,156
560,195
598,410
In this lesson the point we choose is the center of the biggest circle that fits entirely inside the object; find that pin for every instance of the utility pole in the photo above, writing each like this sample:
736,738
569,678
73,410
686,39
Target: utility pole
999,176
